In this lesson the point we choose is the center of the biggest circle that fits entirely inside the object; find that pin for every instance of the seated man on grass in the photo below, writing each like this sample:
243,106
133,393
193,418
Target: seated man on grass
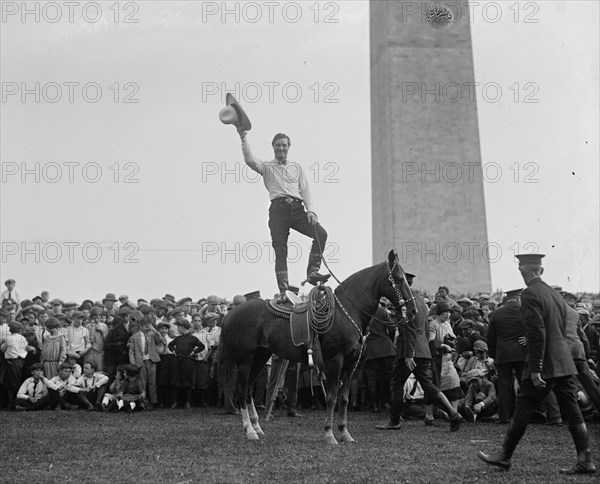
33,394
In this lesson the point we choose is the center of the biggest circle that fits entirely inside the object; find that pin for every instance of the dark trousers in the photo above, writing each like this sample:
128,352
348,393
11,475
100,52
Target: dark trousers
30,406
95,396
284,216
400,374
56,398
379,374
528,399
148,380
506,393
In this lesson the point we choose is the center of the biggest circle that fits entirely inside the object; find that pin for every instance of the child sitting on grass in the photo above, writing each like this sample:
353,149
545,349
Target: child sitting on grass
481,397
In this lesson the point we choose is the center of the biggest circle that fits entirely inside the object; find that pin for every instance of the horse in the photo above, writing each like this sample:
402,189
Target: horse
251,334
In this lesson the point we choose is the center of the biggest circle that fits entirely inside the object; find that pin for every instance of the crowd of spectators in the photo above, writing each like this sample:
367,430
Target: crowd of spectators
119,355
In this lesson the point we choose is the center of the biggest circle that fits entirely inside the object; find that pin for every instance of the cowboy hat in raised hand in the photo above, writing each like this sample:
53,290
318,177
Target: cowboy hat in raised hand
233,113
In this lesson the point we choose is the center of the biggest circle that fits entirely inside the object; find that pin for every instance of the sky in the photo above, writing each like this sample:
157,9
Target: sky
117,175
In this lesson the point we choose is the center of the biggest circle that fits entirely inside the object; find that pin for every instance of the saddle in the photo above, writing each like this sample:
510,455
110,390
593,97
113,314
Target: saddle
299,323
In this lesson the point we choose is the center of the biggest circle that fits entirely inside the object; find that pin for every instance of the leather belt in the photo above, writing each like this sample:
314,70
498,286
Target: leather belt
289,200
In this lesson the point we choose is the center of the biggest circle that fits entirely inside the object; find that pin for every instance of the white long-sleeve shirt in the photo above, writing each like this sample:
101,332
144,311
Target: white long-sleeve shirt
70,384
31,388
94,381
281,179
15,346
78,339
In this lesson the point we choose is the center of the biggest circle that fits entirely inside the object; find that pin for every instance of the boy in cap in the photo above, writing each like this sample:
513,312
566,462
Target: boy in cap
132,392
481,361
72,359
184,347
549,366
33,393
62,389
480,400
10,294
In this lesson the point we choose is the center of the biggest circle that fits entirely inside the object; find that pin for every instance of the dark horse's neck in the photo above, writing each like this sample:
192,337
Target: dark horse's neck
361,292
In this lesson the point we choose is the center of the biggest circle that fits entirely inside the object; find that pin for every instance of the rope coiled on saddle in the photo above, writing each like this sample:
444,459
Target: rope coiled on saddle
321,309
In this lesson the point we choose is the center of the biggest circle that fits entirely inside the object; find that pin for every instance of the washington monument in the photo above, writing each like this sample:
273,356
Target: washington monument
427,182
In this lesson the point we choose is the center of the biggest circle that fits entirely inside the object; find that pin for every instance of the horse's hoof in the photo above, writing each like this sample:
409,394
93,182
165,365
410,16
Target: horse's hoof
260,432
347,438
252,436
330,440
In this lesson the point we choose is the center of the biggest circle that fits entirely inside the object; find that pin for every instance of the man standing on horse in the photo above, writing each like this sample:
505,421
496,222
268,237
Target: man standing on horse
291,208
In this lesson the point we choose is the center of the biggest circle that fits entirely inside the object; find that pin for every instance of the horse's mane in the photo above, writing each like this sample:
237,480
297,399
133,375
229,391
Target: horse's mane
354,287
351,280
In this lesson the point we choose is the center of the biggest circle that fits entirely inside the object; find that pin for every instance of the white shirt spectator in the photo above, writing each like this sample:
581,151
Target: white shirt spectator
30,388
15,346
57,383
78,339
95,381
14,295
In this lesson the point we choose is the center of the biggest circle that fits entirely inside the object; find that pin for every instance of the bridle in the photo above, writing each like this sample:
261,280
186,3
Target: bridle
392,280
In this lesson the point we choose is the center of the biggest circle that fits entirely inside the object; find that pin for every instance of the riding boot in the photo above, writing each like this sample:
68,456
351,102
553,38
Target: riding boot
501,458
584,464
282,280
314,264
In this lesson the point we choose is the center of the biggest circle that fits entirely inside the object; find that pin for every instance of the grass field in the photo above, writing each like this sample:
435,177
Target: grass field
201,445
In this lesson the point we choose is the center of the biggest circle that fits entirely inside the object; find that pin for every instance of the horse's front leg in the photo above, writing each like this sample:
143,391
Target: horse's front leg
334,368
253,414
343,406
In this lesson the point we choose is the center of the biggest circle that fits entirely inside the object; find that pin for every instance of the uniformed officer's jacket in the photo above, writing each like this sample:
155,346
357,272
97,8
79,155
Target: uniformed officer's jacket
506,326
544,316
413,339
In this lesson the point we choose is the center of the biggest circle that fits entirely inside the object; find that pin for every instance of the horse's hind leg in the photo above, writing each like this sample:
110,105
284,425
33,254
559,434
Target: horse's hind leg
260,360
343,404
334,367
241,396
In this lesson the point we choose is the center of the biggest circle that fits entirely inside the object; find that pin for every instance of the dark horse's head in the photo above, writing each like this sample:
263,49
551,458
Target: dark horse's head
397,289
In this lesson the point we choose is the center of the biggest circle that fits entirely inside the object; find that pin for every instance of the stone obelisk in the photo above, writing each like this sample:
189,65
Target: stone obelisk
427,183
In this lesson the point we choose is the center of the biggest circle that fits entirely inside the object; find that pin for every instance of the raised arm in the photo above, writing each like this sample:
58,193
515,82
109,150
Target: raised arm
254,163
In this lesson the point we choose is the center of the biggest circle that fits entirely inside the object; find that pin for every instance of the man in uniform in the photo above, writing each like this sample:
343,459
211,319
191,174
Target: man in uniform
504,337
289,192
414,356
549,366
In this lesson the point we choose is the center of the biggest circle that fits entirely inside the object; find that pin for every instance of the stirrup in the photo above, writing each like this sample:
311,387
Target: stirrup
291,297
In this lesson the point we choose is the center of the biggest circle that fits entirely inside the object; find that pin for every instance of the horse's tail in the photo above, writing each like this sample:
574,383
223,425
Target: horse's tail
226,363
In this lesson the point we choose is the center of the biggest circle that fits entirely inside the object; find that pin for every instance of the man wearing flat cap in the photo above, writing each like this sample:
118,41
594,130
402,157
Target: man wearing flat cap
549,366
291,208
